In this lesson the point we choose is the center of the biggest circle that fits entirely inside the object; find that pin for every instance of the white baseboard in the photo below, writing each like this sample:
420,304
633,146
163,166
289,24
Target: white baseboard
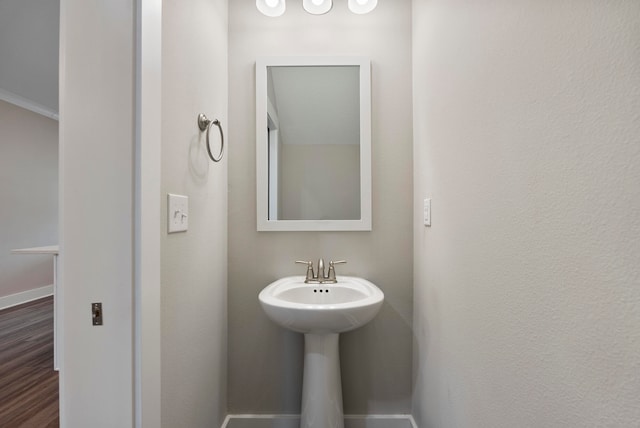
25,296
293,421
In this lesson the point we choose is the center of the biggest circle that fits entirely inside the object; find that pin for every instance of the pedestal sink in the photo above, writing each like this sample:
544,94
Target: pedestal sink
321,312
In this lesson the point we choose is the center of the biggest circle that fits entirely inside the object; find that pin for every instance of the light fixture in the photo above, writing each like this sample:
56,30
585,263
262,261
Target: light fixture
271,8
317,7
362,6
275,8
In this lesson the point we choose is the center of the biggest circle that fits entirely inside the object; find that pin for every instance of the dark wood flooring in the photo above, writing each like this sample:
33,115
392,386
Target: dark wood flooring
28,383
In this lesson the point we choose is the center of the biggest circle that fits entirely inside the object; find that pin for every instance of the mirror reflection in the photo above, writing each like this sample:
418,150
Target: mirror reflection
313,121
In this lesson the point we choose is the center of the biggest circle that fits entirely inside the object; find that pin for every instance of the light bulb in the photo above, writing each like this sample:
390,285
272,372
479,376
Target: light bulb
271,8
317,7
362,6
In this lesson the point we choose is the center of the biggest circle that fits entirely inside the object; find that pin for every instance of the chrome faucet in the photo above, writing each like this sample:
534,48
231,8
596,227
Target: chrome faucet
319,276
320,271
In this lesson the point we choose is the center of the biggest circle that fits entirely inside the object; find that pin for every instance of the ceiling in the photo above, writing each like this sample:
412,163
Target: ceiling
29,40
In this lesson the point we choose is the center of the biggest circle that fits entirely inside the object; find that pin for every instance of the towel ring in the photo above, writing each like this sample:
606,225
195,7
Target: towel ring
205,124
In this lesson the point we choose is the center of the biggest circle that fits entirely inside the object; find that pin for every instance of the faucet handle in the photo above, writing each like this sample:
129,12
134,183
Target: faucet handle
331,277
310,276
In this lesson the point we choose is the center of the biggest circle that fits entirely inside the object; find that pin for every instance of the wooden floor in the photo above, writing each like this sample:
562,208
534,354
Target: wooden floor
28,383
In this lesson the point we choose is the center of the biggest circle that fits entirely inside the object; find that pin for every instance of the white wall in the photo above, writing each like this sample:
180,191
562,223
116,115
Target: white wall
97,213
194,263
148,206
527,285
97,134
29,31
29,195
266,361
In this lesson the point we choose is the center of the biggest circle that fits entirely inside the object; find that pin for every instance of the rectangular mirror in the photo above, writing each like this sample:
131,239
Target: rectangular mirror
313,143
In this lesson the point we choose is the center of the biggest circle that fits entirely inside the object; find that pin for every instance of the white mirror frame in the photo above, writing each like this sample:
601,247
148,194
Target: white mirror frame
262,168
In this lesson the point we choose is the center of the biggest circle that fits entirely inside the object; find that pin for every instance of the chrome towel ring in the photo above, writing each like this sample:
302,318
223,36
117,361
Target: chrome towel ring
205,124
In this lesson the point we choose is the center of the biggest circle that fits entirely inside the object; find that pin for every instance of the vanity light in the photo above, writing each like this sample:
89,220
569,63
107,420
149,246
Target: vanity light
271,8
362,6
275,8
317,7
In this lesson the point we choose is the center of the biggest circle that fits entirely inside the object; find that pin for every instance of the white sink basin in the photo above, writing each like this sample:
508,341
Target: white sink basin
321,312
321,308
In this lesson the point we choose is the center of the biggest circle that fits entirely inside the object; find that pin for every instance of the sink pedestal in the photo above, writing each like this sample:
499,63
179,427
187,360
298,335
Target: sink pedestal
321,385
321,313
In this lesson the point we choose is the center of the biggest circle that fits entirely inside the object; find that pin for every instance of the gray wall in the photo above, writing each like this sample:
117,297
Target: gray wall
194,263
333,194
527,285
29,31
29,194
266,361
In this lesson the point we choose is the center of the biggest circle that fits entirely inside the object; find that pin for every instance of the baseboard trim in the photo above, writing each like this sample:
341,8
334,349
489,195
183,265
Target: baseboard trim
408,418
16,299
276,418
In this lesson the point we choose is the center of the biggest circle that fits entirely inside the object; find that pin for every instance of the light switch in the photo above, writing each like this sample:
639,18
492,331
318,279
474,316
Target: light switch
427,212
178,213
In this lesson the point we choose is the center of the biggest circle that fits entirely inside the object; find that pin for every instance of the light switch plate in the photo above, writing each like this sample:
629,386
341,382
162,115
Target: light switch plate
427,212
177,213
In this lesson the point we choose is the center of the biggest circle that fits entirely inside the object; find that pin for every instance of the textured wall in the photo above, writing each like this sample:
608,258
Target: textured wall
194,263
29,191
527,286
265,362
